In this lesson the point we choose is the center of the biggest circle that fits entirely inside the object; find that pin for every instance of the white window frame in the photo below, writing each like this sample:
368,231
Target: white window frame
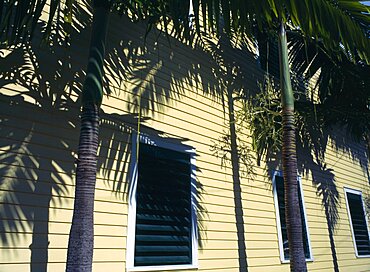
131,224
278,224
356,192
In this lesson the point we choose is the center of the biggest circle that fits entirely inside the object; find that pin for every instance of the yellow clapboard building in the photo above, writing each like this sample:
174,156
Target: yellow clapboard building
164,200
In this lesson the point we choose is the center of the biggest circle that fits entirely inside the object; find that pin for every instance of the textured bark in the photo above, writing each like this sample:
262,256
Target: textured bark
81,237
289,159
292,210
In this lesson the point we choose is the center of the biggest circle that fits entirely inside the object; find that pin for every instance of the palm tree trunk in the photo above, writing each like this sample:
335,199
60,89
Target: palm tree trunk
81,238
292,211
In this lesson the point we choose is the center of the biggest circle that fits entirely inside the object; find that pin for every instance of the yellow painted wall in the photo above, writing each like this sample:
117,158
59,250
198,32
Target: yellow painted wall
39,137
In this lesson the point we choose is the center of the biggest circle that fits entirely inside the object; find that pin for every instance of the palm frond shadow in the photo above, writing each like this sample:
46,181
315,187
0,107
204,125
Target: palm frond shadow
39,116
40,90
237,80
159,76
158,70
341,86
34,180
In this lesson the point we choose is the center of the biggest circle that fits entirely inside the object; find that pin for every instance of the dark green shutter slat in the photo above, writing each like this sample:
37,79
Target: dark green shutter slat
149,218
161,260
359,224
160,249
161,238
162,227
163,211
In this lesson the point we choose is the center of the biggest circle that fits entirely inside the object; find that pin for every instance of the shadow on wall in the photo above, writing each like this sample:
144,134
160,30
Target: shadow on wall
351,147
237,77
312,141
36,160
156,70
39,98
37,145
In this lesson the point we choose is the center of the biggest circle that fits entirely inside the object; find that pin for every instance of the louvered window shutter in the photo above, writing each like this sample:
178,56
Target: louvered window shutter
359,225
279,183
163,212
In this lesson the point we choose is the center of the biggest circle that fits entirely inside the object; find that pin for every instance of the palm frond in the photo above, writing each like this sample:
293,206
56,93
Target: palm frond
19,19
342,85
336,23
339,23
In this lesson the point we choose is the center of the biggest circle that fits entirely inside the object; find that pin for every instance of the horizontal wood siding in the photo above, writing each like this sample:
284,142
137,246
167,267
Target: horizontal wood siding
182,98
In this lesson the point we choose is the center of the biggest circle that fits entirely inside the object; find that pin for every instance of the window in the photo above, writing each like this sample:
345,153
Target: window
278,187
162,214
357,219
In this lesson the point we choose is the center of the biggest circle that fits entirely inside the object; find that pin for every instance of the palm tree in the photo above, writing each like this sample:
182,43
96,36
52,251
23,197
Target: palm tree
25,15
18,20
289,160
338,24
81,237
